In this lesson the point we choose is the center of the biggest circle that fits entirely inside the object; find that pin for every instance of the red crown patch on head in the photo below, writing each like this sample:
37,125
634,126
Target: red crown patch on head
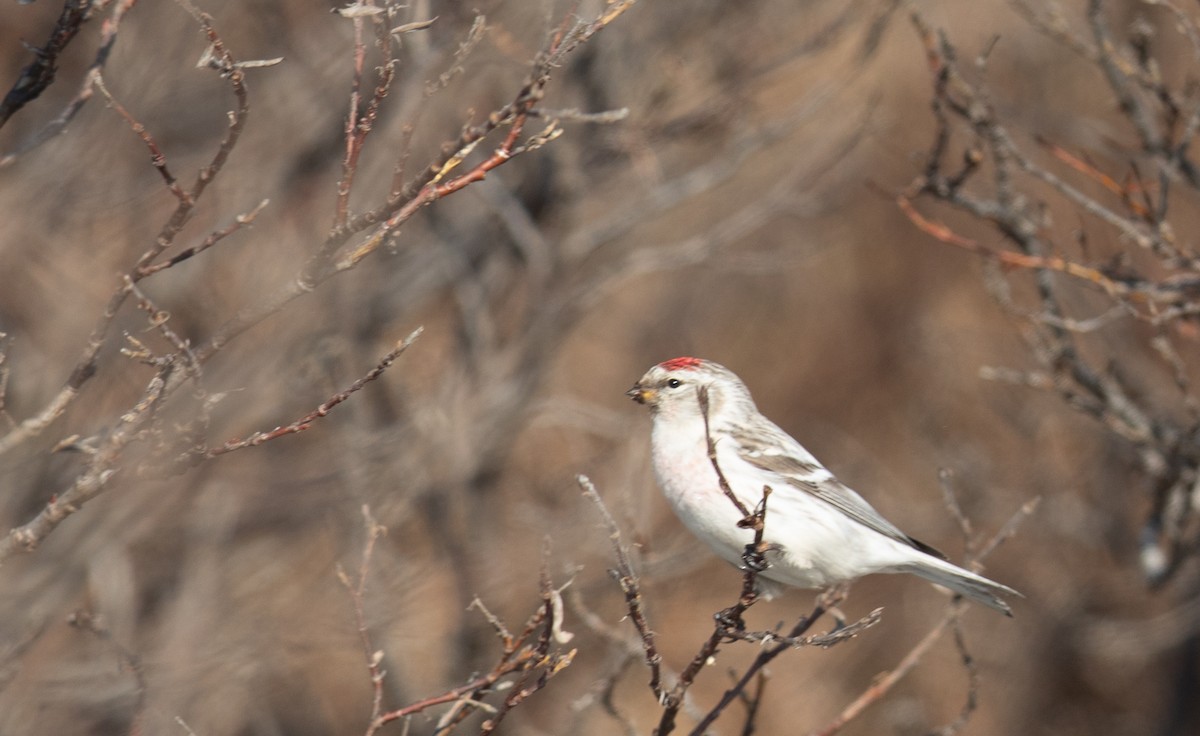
675,364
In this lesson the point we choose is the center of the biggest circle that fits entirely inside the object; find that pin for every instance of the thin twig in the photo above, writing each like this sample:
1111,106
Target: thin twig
86,366
323,410
94,624
108,38
39,74
628,580
243,220
729,624
702,398
357,589
884,683
824,603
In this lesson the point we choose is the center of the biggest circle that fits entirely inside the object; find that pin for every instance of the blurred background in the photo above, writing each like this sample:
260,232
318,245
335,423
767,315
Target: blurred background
743,211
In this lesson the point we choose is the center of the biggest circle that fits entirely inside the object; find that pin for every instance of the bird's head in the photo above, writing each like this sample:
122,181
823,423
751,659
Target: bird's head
676,388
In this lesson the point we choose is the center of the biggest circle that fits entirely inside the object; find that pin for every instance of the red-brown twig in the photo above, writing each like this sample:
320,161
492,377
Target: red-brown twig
106,448
157,158
243,220
307,420
551,662
435,189
884,683
359,124
1125,192
521,654
425,188
1006,257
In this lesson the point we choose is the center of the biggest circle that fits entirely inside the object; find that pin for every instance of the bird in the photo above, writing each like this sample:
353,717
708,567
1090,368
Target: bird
819,533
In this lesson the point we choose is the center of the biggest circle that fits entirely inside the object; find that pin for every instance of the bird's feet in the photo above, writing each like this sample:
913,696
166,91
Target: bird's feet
839,619
754,557
829,600
730,619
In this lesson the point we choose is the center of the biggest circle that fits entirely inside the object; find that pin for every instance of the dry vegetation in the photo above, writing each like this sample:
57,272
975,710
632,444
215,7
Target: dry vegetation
306,347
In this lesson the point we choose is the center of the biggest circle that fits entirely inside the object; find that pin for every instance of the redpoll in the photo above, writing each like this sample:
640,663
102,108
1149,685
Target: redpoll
818,531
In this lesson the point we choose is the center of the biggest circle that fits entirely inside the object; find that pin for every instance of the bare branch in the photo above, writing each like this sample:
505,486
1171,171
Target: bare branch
39,74
628,580
323,410
884,683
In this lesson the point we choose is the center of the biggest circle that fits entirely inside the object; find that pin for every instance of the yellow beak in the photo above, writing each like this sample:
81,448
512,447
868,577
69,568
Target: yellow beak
641,395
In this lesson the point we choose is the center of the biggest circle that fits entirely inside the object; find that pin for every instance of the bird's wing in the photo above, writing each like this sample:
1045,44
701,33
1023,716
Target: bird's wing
774,451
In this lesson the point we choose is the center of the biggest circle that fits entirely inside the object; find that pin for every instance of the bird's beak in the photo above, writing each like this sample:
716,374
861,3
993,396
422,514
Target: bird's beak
640,395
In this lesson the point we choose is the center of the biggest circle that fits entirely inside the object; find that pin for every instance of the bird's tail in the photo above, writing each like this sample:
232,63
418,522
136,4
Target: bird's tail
975,587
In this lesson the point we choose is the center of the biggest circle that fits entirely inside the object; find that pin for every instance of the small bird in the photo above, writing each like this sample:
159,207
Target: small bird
818,531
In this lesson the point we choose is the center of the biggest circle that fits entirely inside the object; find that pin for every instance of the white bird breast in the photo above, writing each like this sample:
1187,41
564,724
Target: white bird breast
813,544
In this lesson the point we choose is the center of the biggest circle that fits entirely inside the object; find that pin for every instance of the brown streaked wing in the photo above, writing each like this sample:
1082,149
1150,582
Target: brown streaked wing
816,480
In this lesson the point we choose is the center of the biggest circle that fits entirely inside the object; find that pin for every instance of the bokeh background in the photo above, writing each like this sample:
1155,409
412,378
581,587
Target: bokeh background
740,212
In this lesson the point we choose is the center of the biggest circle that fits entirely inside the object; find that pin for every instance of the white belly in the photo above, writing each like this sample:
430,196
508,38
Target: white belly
812,545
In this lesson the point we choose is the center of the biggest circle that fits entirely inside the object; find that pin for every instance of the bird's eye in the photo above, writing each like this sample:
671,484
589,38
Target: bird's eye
674,383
